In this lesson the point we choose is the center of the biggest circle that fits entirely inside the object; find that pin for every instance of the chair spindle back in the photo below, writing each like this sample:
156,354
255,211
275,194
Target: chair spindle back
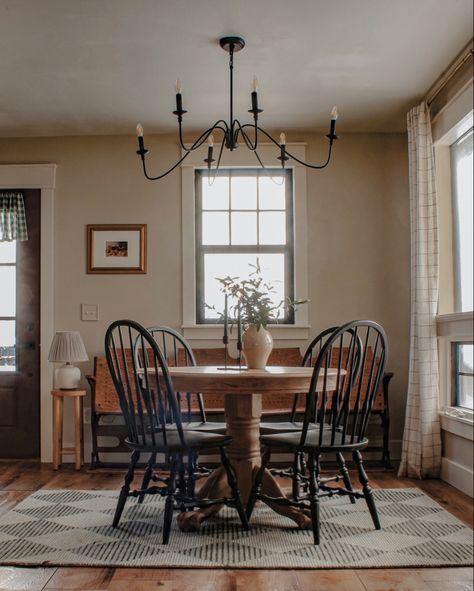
143,384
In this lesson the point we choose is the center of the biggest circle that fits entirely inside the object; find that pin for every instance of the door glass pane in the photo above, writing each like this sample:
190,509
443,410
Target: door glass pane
8,252
244,227
7,345
238,265
7,291
215,195
215,227
271,192
272,227
243,192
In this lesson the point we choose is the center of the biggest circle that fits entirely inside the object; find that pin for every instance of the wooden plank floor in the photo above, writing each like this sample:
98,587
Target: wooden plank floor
19,479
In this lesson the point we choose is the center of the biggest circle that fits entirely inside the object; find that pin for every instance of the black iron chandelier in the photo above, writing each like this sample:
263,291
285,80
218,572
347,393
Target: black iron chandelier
234,130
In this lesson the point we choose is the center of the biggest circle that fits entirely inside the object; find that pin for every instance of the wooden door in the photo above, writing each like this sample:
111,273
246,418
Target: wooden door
19,338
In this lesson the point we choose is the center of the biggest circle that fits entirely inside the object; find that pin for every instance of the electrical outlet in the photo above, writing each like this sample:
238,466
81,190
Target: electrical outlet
90,312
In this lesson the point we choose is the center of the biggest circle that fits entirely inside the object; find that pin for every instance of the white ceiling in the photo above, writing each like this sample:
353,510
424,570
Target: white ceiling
86,67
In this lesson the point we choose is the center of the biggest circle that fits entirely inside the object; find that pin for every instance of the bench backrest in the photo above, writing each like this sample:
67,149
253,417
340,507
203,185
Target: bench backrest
106,402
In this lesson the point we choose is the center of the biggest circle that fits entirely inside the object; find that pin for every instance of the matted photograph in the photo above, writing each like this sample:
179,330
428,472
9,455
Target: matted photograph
116,248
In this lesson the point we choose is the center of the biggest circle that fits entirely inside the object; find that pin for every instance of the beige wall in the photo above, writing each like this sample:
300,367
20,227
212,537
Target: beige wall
358,232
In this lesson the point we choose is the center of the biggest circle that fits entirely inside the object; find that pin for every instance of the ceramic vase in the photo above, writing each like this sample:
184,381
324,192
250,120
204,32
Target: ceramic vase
256,346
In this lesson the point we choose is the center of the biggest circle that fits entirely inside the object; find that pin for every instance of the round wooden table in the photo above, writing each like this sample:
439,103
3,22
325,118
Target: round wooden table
243,408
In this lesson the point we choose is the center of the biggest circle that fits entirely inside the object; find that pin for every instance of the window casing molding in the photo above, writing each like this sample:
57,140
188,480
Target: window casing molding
244,159
452,328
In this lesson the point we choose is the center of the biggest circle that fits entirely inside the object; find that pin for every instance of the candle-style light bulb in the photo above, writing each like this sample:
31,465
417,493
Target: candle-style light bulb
254,96
210,141
141,143
179,99
332,128
282,139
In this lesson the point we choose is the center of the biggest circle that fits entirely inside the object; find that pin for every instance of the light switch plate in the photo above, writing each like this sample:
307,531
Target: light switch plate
90,312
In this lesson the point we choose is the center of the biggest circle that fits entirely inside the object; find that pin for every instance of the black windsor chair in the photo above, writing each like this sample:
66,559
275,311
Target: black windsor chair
153,423
298,472
178,353
328,410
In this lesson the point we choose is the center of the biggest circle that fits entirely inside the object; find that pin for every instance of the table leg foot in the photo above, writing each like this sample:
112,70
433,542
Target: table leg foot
271,488
215,487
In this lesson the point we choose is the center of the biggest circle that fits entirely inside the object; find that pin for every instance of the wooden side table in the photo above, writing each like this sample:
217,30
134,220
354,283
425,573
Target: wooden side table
58,404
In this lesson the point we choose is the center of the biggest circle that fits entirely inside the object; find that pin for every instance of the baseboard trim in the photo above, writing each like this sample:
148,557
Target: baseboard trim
459,476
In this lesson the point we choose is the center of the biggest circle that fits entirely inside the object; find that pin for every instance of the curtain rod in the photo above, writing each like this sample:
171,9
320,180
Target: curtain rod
449,72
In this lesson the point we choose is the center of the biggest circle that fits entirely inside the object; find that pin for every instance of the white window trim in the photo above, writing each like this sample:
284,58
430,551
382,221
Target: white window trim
453,328
239,159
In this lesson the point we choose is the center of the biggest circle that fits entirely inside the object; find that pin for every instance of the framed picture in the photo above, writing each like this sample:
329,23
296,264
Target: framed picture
116,248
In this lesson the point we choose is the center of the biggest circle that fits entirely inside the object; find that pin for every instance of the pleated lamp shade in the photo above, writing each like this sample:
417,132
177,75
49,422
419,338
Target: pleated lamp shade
67,347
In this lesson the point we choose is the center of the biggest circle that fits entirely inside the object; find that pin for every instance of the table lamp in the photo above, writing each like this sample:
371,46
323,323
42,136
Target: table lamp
67,347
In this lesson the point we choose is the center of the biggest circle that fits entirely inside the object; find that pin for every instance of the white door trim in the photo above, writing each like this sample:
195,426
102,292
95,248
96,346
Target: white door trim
43,177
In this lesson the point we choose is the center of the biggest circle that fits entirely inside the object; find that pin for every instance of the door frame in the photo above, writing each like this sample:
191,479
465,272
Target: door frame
43,177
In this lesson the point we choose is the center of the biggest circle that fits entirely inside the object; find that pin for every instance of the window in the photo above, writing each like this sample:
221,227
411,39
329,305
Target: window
7,306
462,176
463,376
243,215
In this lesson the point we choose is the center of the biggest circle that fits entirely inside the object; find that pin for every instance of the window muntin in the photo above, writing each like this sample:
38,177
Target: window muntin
248,216
7,306
463,375
462,174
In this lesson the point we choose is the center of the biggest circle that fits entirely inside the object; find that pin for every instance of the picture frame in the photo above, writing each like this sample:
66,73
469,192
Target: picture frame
116,249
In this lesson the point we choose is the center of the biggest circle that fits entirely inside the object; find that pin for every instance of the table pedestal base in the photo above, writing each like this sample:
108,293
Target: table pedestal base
243,412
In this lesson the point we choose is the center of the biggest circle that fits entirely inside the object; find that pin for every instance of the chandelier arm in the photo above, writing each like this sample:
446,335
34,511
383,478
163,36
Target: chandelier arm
248,142
315,166
203,137
221,149
259,159
157,178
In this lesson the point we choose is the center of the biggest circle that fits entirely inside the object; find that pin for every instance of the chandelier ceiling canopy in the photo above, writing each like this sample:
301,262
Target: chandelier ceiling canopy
233,131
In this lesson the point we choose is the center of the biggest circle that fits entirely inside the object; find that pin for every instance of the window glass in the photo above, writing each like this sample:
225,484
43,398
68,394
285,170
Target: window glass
7,305
243,192
237,265
258,225
463,368
215,194
8,290
462,170
215,227
271,226
271,191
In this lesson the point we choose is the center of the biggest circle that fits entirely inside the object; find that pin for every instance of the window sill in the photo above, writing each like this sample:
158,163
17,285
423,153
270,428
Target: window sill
458,422
211,332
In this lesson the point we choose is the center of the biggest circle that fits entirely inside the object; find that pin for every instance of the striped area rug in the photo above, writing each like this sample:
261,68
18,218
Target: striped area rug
73,527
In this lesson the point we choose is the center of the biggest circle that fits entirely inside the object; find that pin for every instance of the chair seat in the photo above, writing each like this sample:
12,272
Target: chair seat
291,441
207,427
282,427
194,440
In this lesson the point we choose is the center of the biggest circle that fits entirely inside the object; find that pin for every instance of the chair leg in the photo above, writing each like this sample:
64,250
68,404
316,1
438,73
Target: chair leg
232,480
192,467
125,488
257,485
147,476
345,475
368,494
313,461
169,503
296,477
386,463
